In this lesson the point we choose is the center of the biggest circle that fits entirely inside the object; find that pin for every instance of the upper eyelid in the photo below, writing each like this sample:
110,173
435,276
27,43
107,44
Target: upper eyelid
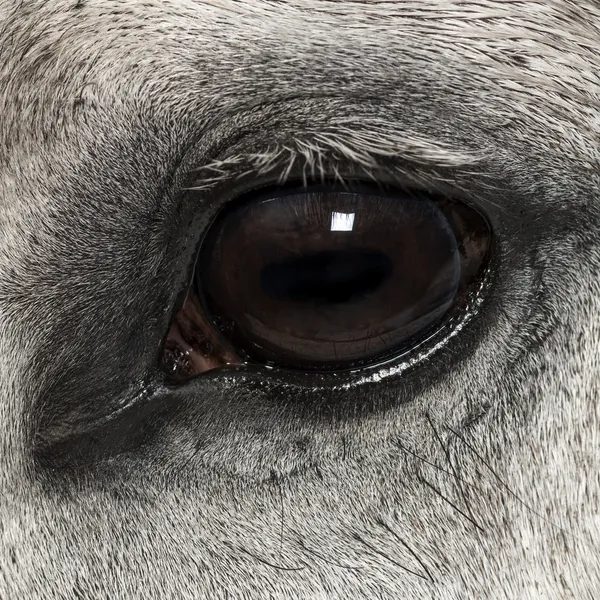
319,155
417,164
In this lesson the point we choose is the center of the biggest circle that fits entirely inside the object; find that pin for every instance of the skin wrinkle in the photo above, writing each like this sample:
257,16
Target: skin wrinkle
476,473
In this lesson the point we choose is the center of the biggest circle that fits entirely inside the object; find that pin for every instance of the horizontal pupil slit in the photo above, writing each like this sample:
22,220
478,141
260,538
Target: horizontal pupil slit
328,277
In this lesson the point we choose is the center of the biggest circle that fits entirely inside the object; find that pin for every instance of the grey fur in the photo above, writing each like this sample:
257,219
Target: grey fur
479,476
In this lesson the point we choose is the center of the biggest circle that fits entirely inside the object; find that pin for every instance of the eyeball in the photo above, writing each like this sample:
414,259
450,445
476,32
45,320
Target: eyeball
328,278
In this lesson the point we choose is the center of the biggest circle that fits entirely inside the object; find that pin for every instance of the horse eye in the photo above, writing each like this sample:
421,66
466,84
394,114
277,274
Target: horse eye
326,279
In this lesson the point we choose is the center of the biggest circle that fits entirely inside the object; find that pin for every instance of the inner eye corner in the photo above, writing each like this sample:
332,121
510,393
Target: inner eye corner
325,278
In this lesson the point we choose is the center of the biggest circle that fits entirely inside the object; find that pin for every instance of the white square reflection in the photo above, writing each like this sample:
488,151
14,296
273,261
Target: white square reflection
342,221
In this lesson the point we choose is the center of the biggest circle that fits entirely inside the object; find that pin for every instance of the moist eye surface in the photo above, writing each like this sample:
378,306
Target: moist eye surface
326,278
329,278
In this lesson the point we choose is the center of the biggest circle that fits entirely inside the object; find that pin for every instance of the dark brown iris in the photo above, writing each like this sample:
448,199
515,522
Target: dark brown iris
327,278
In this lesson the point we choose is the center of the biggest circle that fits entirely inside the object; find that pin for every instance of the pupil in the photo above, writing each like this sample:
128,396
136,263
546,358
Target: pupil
327,277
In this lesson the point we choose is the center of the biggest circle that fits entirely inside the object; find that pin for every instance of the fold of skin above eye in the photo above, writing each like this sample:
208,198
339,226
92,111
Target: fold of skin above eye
477,480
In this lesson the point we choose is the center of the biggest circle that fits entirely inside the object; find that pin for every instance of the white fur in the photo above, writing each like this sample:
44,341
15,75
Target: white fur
484,484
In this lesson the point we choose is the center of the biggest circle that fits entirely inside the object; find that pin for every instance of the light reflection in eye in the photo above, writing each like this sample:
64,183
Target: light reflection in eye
342,221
